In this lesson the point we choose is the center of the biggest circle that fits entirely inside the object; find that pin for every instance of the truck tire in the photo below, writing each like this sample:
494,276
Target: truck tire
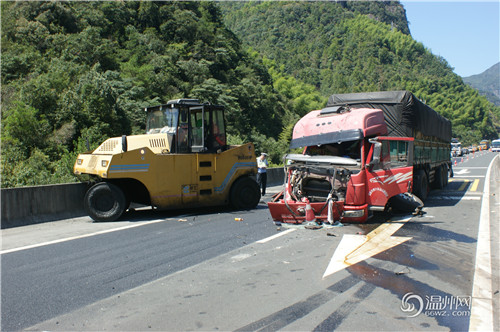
405,203
105,202
244,194
421,185
439,175
445,175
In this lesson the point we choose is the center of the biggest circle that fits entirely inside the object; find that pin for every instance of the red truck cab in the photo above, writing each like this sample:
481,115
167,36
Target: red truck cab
348,167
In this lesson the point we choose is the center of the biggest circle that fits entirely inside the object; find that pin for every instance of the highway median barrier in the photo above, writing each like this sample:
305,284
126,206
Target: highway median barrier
37,204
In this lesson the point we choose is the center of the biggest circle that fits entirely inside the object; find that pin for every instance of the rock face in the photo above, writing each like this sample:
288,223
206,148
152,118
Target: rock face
488,83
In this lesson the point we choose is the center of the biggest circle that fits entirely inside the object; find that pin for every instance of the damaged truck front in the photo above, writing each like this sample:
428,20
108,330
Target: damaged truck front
362,153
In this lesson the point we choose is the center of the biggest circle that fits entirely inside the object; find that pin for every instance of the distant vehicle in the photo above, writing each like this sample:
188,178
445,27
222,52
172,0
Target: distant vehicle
484,144
456,149
495,145
465,151
474,148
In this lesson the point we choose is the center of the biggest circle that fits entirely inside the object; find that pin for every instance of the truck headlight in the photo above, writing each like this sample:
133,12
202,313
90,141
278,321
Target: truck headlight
104,163
79,161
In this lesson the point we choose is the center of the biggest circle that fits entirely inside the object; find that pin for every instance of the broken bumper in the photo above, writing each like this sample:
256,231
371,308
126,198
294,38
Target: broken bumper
294,212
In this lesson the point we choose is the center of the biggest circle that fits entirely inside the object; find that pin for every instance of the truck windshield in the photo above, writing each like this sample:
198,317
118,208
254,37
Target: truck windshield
349,149
162,121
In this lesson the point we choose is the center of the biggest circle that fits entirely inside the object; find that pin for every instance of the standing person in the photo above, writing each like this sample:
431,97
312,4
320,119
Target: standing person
262,172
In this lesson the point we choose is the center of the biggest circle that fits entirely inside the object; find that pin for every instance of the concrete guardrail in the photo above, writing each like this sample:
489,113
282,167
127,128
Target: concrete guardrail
37,204
31,205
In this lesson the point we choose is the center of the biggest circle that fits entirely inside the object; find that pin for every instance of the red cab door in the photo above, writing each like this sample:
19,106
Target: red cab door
390,170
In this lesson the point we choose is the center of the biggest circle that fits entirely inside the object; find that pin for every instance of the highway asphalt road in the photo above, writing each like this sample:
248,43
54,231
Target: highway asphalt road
204,270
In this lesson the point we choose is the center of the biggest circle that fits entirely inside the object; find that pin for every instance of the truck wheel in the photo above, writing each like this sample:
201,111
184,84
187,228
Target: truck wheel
445,176
421,185
245,194
104,202
405,203
439,178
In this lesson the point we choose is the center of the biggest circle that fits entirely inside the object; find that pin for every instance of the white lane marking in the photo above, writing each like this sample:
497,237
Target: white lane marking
267,239
471,167
468,176
482,295
31,246
240,257
353,249
456,198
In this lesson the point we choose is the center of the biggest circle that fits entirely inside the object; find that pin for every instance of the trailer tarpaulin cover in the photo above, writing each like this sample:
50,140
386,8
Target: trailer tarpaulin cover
403,112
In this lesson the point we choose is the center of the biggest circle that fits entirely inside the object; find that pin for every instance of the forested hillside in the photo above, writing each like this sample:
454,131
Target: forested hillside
76,71
73,71
335,48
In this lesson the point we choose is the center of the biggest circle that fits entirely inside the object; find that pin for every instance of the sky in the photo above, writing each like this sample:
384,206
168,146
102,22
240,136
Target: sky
465,33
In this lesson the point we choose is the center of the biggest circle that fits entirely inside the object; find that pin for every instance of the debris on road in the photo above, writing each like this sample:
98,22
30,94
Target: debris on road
406,270
238,219
313,227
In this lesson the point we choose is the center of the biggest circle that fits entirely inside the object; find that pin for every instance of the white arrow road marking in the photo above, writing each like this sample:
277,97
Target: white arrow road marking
462,171
353,249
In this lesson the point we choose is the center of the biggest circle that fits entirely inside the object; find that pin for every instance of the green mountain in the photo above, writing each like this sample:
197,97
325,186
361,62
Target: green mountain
487,83
75,71
359,46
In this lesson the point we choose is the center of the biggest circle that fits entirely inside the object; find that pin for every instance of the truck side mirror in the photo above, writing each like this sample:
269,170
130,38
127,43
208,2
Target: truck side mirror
377,150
